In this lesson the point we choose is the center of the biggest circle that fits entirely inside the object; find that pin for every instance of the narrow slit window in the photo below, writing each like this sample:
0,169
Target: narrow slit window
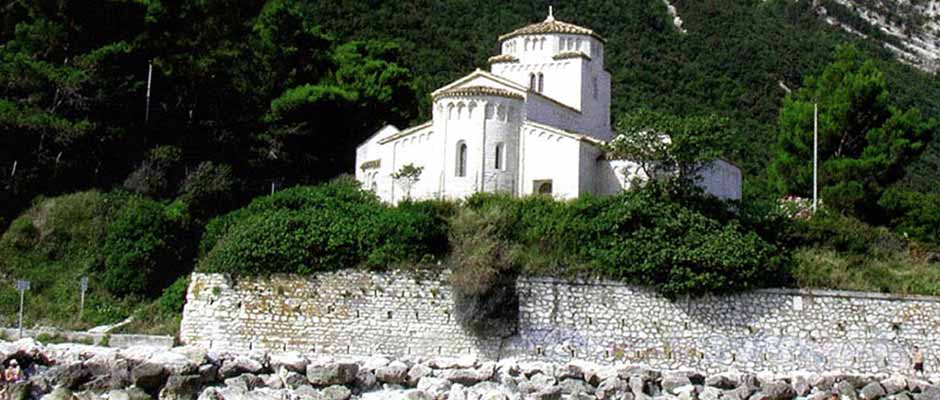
541,83
461,159
498,154
533,82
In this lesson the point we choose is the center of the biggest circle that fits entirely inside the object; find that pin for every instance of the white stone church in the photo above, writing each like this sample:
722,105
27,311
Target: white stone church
533,124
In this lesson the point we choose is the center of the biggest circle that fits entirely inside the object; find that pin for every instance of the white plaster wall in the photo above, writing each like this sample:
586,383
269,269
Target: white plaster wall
480,134
417,148
721,179
561,78
550,156
543,111
614,176
375,178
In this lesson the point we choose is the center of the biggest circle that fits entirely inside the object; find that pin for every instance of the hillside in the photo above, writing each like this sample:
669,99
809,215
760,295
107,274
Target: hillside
235,84
251,98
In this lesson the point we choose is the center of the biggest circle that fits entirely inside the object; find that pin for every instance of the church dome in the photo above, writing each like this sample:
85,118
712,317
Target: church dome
551,25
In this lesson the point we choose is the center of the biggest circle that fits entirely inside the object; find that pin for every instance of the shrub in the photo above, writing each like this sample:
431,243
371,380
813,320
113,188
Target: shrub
208,190
318,228
484,273
915,214
675,242
158,174
53,244
174,297
144,250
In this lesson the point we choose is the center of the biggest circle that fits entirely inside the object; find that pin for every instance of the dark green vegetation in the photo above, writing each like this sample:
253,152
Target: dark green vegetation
250,95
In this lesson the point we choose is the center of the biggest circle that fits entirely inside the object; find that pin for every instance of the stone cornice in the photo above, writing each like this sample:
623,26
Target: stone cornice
471,91
571,54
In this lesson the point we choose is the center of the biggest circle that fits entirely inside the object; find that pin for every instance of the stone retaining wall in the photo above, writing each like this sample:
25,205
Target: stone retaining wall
399,313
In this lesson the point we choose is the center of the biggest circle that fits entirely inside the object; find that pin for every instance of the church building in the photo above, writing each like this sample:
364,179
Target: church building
534,123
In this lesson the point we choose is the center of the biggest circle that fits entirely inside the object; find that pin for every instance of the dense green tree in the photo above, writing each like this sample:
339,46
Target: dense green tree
668,146
864,140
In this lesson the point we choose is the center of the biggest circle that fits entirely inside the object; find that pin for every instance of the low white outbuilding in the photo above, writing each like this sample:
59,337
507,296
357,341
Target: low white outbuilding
535,123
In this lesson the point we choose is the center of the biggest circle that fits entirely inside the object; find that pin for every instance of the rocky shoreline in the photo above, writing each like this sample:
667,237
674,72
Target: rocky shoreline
68,371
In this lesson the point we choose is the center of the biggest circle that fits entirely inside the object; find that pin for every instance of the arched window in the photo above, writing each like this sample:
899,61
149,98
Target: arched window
461,159
498,155
541,82
533,84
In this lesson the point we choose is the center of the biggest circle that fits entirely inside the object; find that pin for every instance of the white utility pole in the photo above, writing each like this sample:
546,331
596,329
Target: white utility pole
815,156
149,79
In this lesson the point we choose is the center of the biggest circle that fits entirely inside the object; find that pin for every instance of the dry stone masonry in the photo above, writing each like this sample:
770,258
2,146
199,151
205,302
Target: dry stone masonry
398,314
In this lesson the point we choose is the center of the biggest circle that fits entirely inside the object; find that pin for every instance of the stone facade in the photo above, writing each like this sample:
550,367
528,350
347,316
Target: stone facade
399,314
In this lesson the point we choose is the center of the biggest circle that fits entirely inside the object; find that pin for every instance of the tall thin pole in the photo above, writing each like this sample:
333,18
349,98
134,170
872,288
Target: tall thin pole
149,80
815,156
22,293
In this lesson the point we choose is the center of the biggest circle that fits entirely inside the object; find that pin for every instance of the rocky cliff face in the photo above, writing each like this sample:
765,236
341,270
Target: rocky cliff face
908,28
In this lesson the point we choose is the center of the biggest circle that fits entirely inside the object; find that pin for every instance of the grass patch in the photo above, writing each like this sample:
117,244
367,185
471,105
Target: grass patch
897,273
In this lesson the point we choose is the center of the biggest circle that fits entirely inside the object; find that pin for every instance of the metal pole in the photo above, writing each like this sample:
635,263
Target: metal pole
815,156
22,293
149,79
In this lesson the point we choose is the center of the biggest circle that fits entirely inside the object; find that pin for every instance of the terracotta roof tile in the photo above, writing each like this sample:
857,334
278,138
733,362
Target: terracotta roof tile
551,25
479,91
503,58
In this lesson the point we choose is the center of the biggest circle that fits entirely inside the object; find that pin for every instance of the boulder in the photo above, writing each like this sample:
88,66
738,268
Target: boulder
120,374
238,366
181,387
209,373
292,361
437,388
333,373
551,393
872,391
336,392
307,392
59,393
18,391
453,362
196,354
365,379
536,383
894,384
415,394
463,376
574,387
148,376
674,380
778,391
611,388
69,376
395,372
294,380
536,367
417,372
721,381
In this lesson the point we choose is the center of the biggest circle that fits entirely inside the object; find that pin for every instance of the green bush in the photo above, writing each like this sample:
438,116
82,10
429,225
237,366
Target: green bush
174,297
53,245
208,190
484,272
845,234
145,250
317,228
657,237
915,214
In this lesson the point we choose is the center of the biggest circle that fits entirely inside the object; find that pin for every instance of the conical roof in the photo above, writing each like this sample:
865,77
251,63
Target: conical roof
551,25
